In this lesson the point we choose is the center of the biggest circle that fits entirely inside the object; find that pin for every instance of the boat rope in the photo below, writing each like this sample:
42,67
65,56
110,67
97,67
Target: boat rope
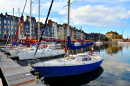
19,24
43,29
46,55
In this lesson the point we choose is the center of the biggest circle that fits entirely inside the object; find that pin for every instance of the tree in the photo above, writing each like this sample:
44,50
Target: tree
116,33
106,39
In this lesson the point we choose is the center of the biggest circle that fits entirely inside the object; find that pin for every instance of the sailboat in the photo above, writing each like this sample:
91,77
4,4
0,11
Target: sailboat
71,64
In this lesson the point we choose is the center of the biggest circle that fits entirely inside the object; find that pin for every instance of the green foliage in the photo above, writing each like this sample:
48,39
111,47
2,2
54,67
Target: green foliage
116,33
106,39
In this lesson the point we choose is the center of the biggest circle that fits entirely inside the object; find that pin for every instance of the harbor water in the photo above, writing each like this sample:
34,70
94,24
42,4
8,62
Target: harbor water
114,71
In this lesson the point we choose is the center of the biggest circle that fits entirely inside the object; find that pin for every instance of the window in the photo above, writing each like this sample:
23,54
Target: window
0,22
6,16
4,21
5,26
8,22
4,32
12,27
11,22
15,23
15,28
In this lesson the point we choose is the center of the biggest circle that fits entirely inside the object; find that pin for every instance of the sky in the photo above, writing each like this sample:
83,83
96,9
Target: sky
89,15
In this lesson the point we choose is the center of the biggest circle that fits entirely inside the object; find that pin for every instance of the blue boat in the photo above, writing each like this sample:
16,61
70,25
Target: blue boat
61,69
71,64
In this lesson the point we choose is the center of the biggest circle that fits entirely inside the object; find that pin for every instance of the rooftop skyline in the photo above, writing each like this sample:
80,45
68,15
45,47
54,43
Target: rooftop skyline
92,15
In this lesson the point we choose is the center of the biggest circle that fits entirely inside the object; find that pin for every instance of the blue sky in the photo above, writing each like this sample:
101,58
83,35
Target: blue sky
93,15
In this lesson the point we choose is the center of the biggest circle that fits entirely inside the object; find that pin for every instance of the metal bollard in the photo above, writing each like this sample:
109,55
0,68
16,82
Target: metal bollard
36,77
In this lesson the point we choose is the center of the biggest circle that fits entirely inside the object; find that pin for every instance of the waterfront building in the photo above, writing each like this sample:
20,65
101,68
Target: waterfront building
6,26
77,34
65,31
73,33
26,30
52,30
22,31
117,38
48,32
61,32
80,34
113,36
95,36
84,36
102,37
53,25
41,27
33,27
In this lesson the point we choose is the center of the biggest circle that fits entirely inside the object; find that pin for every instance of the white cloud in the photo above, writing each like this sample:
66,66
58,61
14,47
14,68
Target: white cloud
90,15
8,5
57,7
99,15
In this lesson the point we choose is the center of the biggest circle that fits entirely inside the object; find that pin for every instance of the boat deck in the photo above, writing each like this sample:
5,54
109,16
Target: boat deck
16,75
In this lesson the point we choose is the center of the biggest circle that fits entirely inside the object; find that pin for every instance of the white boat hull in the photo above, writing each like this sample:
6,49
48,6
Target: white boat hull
99,42
123,42
40,54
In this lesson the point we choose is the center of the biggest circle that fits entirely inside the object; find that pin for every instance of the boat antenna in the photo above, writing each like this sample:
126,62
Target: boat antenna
43,28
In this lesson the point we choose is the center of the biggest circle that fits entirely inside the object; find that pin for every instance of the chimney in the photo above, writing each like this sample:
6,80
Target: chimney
6,14
1,14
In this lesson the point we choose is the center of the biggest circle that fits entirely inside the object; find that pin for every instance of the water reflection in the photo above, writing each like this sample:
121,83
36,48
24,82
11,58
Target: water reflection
88,48
75,80
112,48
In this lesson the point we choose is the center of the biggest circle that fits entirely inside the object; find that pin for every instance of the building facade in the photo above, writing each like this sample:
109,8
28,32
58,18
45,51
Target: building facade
113,37
8,26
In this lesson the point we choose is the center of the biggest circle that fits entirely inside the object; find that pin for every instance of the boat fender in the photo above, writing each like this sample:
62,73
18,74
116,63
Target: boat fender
90,53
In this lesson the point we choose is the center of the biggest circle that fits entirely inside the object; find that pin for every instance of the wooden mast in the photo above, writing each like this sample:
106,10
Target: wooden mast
39,20
30,17
68,27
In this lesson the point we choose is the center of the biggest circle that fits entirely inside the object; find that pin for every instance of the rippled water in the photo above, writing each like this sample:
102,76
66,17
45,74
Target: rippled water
114,71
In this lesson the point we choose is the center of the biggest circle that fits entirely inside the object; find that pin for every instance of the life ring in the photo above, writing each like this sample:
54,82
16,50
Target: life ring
90,53
64,49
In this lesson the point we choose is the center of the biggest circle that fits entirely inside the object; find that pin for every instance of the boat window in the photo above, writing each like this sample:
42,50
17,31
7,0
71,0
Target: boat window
86,59
71,57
